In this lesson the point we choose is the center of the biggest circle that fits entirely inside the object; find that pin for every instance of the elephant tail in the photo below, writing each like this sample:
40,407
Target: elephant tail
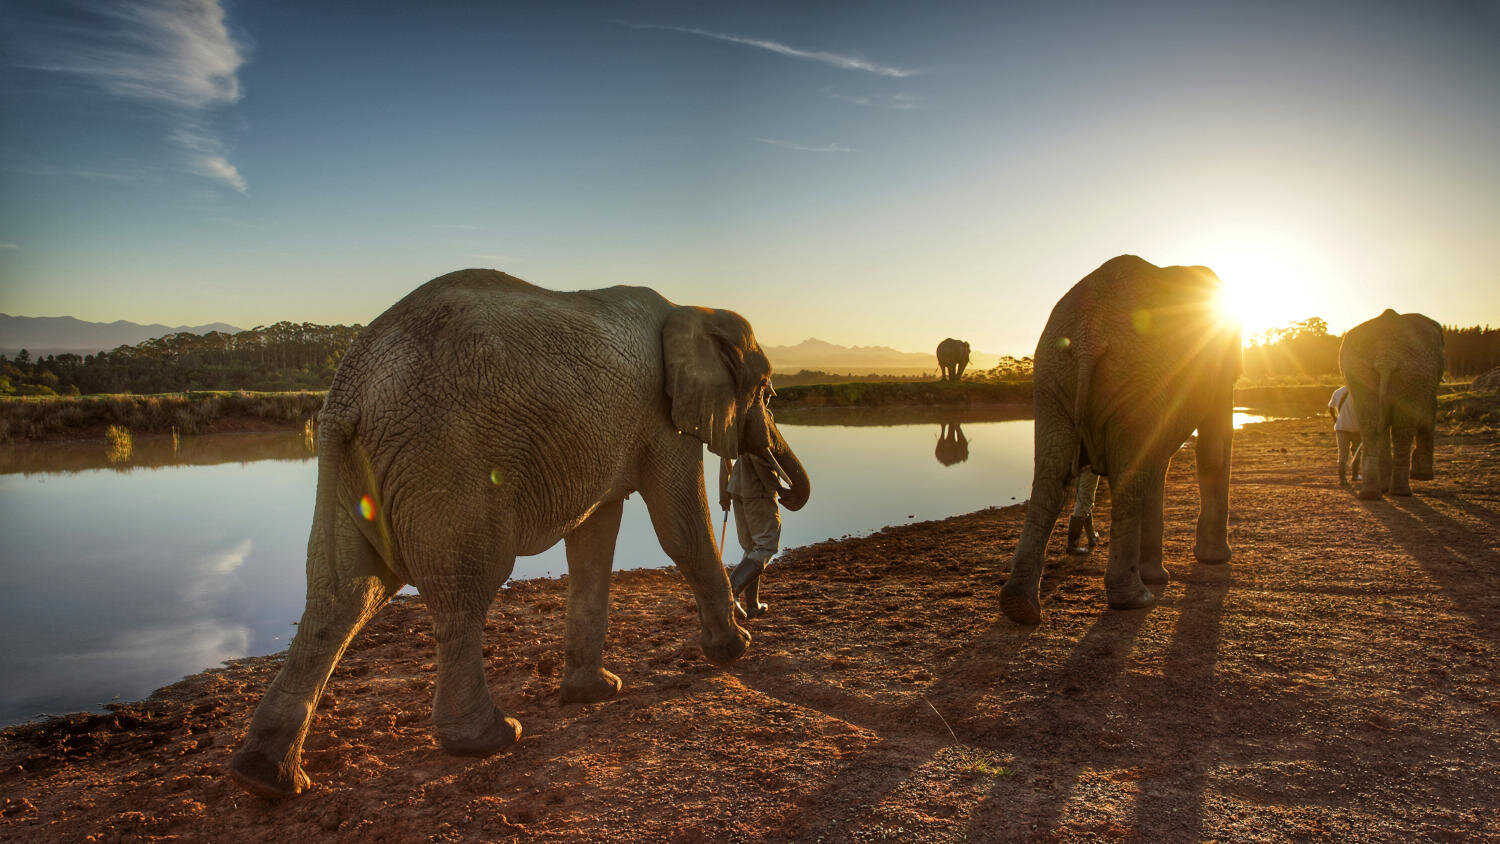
1383,368
335,433
1093,454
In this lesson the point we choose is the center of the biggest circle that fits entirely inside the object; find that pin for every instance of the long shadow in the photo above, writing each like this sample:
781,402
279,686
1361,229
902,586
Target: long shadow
984,663
1187,742
1070,723
1464,567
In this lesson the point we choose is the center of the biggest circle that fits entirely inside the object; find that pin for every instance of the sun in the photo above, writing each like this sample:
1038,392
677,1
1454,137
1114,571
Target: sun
1266,285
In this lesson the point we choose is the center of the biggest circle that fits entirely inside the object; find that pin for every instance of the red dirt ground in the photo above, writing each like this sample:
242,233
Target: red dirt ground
1337,680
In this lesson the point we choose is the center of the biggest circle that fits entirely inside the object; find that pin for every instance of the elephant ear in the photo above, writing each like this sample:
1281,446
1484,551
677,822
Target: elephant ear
712,365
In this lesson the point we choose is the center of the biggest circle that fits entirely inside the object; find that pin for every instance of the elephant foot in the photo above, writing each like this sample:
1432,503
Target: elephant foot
501,732
590,686
1402,491
755,610
1131,600
1154,574
1421,476
726,650
1020,604
267,779
1212,553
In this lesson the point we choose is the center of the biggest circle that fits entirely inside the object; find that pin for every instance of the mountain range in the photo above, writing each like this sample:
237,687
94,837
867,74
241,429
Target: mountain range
42,336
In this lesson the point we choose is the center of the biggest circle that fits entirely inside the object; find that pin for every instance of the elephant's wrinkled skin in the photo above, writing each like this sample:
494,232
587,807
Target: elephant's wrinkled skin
953,358
1133,358
481,418
1393,365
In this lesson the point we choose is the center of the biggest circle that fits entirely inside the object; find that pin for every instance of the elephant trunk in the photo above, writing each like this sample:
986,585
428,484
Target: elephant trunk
795,494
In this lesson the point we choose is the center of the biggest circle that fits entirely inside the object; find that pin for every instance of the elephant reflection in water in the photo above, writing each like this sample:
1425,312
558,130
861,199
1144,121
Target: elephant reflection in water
952,446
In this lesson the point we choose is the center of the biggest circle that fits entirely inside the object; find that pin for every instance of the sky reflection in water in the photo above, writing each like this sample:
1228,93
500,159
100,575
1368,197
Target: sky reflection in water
121,580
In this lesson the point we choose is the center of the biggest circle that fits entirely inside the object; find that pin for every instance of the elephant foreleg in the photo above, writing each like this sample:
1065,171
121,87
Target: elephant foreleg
674,496
1122,579
1215,443
591,556
1152,530
346,586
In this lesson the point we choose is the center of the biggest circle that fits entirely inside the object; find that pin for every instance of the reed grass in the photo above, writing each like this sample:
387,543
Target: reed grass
41,417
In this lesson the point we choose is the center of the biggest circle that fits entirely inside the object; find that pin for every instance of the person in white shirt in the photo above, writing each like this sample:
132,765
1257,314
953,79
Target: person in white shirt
1346,431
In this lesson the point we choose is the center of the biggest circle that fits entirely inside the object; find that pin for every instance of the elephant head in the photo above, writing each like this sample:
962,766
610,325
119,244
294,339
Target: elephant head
719,384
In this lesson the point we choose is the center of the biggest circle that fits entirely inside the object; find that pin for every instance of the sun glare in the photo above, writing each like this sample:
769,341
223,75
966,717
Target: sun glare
1265,288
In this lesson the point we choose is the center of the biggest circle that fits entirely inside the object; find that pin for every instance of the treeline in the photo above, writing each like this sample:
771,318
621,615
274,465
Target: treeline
289,356
284,356
1305,352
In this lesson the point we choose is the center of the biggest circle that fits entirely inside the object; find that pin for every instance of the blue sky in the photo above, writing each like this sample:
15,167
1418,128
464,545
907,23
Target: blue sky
867,173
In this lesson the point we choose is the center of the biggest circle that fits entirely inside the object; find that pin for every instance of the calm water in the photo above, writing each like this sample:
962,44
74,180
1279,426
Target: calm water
121,578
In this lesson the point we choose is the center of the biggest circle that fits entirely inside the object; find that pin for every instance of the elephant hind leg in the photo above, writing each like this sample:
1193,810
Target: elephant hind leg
1153,530
1128,504
467,721
591,556
1422,458
346,586
1020,597
1401,442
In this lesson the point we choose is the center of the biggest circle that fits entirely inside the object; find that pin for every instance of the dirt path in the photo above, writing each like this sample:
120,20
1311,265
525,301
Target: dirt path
1338,680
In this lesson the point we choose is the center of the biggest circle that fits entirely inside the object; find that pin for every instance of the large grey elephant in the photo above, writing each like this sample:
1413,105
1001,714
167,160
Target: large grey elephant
1133,358
953,358
1393,365
481,418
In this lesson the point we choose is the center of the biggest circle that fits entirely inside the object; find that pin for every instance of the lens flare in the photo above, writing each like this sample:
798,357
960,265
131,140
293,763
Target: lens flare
497,477
367,508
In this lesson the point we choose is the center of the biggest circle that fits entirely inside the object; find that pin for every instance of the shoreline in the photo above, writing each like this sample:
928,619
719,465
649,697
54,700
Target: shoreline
86,418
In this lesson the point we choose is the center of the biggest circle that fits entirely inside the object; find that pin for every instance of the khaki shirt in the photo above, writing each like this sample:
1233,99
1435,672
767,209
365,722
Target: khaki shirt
752,477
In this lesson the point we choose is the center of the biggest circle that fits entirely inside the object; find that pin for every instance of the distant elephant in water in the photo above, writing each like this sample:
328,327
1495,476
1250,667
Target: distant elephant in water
952,446
953,358
481,418
1133,358
1393,365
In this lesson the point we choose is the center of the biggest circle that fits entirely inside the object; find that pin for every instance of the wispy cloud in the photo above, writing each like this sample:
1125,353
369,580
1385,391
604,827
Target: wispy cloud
839,60
900,102
6,246
463,227
804,147
174,54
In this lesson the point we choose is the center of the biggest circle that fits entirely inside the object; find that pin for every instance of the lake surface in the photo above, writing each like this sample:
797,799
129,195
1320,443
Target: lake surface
121,577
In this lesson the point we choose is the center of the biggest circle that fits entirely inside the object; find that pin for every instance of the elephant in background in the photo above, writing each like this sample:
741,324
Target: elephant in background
481,418
1393,365
952,446
1133,358
953,358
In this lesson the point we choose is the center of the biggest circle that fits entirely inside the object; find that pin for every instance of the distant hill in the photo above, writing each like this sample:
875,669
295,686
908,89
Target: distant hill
42,336
813,353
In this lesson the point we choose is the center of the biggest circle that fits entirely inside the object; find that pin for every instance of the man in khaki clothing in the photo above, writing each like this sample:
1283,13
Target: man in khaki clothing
751,487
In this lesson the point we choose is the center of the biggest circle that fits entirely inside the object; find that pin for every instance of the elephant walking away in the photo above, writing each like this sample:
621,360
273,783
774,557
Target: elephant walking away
953,358
1392,365
1132,360
481,418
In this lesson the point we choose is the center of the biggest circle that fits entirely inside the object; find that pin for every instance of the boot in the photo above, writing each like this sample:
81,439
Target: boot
744,582
1076,526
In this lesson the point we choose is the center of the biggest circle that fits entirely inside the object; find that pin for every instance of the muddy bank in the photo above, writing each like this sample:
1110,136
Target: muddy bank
1338,679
